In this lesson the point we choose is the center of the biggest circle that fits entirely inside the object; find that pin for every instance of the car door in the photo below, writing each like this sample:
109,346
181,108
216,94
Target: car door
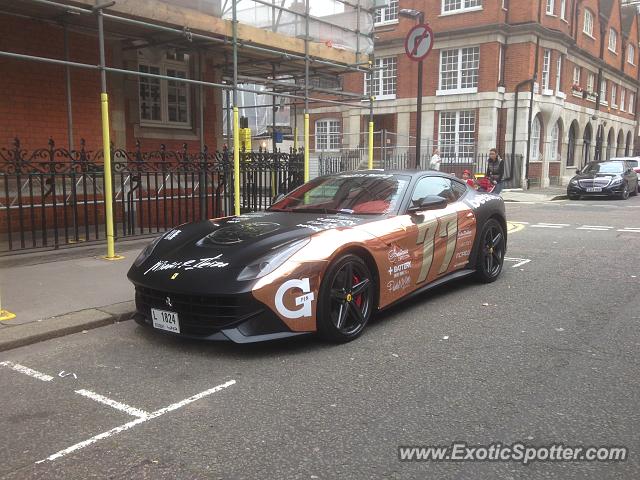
437,250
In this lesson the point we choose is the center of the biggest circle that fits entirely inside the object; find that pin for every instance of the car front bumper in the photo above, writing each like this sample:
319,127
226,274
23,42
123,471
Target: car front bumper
610,191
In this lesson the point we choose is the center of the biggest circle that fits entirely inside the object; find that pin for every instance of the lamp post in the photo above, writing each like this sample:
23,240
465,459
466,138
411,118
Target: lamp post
419,17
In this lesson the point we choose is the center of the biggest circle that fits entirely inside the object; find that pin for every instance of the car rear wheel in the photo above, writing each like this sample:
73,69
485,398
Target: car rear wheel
491,252
347,299
635,190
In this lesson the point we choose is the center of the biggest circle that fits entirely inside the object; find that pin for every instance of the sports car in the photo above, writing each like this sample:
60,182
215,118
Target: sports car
322,259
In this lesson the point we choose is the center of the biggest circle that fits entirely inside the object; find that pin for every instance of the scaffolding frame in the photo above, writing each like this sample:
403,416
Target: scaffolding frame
278,87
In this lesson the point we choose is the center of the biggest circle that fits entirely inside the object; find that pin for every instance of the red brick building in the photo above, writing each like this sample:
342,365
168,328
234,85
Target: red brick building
582,54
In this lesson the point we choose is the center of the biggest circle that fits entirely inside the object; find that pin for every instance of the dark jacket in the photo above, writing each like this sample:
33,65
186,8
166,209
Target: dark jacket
495,170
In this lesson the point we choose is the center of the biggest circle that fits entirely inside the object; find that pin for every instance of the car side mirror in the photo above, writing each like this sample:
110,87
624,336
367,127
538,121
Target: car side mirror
577,171
430,202
277,198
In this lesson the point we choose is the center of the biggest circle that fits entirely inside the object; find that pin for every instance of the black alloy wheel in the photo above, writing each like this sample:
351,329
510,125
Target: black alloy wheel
625,192
491,252
347,299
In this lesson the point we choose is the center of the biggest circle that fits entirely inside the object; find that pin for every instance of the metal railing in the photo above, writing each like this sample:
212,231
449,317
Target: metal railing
52,196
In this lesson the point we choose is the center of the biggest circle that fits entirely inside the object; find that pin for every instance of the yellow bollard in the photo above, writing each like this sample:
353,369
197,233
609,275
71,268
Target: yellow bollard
306,147
236,161
370,145
108,183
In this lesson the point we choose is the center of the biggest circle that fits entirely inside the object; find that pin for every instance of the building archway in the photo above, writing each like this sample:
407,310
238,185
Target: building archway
571,144
611,140
586,145
620,144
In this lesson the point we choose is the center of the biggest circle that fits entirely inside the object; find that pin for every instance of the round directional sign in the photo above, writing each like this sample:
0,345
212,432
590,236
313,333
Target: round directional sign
419,42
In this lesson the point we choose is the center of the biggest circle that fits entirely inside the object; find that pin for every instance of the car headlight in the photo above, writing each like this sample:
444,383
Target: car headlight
148,250
574,181
268,263
616,181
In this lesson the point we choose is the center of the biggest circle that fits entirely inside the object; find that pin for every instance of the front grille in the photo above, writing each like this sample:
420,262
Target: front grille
595,182
199,315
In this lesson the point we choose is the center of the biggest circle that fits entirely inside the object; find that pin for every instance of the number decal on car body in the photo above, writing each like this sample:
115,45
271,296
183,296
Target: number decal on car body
447,227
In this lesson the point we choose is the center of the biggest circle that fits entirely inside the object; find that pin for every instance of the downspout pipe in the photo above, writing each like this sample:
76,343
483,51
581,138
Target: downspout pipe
533,82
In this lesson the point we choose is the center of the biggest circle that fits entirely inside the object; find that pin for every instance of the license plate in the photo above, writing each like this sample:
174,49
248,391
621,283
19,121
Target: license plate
594,189
165,320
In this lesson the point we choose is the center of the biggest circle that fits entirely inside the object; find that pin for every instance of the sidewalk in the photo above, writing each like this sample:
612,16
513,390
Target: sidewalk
67,291
535,194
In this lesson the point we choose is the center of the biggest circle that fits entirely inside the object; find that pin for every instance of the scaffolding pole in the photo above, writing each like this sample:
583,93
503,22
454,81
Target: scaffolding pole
236,120
306,91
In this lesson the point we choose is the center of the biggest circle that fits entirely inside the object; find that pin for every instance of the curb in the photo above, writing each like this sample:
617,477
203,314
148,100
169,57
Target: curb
15,336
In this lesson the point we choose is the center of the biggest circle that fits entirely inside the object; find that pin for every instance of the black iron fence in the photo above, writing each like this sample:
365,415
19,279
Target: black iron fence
53,196
456,164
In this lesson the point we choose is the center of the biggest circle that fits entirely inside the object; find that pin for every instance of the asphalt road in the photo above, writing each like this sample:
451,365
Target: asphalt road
552,358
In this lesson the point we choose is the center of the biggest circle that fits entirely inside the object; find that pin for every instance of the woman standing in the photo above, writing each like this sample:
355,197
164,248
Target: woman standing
434,164
495,170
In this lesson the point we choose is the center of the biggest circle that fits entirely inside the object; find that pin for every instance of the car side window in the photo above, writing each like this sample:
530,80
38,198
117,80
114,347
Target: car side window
434,186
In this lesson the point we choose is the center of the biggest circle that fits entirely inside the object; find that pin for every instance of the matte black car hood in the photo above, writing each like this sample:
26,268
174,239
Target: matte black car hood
193,257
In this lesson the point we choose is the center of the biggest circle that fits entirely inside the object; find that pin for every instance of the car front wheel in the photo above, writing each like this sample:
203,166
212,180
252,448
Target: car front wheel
347,299
491,252
625,192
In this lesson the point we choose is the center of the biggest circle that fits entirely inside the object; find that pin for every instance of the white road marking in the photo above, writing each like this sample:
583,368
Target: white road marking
546,226
629,230
520,261
596,229
135,422
595,226
523,223
135,412
27,371
554,224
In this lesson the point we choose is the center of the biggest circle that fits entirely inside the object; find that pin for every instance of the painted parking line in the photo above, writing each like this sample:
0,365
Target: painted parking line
518,261
595,228
629,230
134,412
27,371
540,225
137,421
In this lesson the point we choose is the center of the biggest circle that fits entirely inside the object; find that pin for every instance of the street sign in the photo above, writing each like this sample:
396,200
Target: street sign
418,42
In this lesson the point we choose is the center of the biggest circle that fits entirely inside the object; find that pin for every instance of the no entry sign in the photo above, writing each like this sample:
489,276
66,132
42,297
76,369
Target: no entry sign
418,42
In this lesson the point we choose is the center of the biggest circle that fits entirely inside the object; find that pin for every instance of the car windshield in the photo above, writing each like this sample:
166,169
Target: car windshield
355,193
605,167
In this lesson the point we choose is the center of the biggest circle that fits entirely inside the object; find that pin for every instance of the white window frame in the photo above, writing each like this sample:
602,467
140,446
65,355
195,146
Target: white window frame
164,65
587,23
632,99
603,92
550,7
591,82
460,52
330,139
563,10
536,133
460,149
382,76
555,142
614,94
631,54
546,71
387,14
613,40
464,7
576,78
558,73
622,99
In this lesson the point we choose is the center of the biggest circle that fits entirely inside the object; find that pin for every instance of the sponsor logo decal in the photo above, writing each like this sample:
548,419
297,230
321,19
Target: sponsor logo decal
400,269
465,233
303,301
482,198
399,284
464,253
175,275
168,302
211,262
326,223
397,254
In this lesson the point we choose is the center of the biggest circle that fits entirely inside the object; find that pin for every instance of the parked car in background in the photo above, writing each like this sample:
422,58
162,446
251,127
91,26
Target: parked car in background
615,178
634,162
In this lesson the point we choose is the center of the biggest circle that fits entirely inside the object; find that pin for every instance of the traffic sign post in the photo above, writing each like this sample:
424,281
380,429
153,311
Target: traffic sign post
417,45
